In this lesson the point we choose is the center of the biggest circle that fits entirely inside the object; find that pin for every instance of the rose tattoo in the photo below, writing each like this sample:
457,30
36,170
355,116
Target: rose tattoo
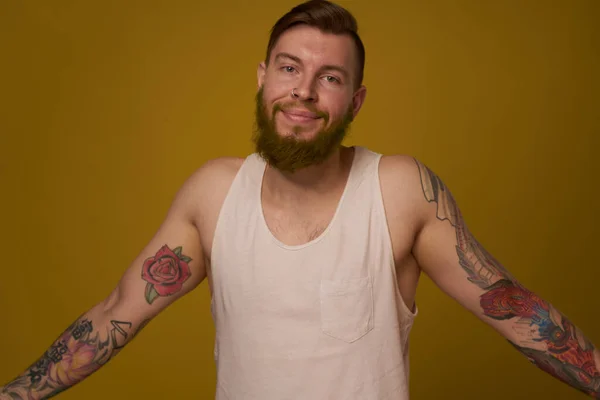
165,272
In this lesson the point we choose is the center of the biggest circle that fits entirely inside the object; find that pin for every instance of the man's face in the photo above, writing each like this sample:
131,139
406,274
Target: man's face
295,130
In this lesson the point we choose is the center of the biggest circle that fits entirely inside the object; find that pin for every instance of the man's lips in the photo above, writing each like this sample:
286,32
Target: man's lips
300,115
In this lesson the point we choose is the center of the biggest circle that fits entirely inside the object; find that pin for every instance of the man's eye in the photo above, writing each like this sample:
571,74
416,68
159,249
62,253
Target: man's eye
332,79
289,69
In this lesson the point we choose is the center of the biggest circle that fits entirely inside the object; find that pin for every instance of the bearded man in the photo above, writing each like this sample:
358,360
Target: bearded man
312,251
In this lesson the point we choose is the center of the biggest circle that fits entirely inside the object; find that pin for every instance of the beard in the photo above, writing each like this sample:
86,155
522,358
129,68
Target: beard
288,153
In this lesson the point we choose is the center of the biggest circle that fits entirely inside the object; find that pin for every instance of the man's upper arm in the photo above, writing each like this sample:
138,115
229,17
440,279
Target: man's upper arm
170,265
451,256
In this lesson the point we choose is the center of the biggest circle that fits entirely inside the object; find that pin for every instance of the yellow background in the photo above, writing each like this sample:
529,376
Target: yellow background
106,107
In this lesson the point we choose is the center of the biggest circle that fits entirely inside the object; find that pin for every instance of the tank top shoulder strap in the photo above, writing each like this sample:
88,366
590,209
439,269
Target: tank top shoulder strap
250,173
366,166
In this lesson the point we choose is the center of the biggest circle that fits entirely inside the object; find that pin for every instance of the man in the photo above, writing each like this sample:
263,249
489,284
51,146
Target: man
312,251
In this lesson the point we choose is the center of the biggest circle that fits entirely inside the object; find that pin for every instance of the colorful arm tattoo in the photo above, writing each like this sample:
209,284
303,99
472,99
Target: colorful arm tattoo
80,351
545,336
165,273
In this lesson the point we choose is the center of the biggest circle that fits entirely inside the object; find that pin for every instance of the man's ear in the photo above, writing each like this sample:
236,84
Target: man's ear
260,74
358,99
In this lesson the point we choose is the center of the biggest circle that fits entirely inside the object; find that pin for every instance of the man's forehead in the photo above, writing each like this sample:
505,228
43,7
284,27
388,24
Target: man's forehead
312,45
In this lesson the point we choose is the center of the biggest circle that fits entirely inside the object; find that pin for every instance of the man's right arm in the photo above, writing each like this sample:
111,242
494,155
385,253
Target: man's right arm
171,265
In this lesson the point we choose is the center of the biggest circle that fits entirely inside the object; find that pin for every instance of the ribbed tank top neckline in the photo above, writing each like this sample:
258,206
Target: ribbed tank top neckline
259,168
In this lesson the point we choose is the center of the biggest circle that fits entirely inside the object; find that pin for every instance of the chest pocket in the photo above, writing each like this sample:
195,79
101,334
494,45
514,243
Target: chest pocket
347,308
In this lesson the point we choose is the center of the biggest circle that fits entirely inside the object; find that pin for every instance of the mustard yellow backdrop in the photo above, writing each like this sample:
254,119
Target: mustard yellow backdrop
107,106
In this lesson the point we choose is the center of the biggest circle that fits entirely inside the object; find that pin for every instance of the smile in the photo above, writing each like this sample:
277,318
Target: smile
300,116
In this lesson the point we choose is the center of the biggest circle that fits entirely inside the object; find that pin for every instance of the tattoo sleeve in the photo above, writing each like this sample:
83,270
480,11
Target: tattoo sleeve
541,333
80,351
90,342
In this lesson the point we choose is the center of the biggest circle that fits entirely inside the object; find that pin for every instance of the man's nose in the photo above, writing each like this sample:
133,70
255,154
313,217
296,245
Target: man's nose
305,91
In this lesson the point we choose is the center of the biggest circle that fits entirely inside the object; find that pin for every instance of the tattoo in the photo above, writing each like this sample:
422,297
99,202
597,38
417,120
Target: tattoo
545,336
480,266
76,354
165,272
119,333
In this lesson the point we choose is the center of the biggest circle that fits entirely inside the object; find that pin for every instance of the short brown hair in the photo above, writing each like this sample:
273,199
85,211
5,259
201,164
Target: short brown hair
328,18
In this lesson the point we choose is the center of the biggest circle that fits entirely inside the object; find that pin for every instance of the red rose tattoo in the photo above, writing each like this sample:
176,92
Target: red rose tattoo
505,300
165,273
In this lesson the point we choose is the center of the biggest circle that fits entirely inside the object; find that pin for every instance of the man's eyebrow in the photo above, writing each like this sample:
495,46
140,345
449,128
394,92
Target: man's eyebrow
296,59
288,55
337,68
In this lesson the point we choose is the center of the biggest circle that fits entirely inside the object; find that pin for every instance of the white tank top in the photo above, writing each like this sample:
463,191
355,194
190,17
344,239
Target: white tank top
322,320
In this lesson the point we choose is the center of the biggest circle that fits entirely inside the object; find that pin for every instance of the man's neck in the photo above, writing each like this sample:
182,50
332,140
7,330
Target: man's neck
316,181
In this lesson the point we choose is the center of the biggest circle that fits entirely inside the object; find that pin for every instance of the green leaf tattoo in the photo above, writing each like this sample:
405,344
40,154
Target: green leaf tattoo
151,293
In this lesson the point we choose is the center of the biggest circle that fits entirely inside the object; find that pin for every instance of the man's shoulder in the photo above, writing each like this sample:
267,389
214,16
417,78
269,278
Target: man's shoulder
398,168
201,195
210,181
217,171
222,165
400,179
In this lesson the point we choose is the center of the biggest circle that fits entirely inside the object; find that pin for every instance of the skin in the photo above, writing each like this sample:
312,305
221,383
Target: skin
426,227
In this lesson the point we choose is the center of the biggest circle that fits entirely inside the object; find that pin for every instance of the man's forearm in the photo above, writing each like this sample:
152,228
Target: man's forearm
89,343
576,364
539,331
545,336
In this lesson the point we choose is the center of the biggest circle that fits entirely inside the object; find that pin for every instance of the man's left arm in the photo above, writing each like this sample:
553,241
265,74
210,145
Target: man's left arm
449,254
